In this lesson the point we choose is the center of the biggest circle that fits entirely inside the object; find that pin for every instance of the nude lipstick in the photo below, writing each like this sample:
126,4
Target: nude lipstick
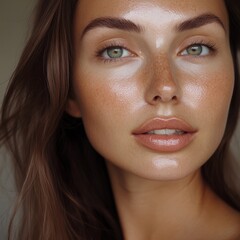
165,135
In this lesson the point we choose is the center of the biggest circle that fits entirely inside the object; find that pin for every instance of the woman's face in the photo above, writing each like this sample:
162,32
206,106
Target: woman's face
152,82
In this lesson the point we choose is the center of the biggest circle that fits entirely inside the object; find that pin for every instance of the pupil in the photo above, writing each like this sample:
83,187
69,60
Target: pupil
115,52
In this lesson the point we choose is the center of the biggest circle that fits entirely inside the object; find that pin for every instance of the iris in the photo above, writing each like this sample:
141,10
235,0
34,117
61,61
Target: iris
114,52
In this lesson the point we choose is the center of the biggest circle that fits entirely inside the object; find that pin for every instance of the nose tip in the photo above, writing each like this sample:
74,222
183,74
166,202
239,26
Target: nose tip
162,88
164,99
167,94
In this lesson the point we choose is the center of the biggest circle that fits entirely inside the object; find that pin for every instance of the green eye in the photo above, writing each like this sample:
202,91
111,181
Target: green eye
197,50
114,52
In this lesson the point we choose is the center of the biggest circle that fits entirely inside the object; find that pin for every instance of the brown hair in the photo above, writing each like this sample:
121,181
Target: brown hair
214,170
63,184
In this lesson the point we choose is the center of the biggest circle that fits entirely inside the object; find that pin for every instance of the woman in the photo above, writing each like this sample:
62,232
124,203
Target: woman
119,117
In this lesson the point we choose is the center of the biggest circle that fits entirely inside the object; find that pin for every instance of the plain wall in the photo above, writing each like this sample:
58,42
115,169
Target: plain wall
15,17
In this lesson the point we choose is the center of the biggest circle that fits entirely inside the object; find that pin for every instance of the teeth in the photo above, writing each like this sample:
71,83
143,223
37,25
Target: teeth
166,132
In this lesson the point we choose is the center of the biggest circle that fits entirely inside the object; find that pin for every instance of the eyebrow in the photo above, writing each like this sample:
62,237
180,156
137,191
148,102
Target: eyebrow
112,22
128,25
199,21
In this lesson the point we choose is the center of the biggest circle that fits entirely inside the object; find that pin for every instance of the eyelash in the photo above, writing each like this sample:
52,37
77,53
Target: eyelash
210,45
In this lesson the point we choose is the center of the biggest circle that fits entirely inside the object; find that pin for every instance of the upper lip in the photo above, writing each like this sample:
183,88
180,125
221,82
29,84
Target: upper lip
164,123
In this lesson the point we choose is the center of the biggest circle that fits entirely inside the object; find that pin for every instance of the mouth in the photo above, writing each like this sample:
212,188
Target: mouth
166,132
165,135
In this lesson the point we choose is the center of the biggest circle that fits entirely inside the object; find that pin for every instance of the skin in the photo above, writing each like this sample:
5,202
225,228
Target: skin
158,195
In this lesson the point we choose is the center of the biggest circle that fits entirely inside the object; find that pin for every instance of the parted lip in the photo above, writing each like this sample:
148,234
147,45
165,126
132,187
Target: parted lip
164,123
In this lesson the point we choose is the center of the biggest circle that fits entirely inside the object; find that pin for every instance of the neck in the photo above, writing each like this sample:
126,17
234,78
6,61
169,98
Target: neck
148,209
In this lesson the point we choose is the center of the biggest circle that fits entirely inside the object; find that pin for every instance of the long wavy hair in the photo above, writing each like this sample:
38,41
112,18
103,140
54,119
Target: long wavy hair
63,185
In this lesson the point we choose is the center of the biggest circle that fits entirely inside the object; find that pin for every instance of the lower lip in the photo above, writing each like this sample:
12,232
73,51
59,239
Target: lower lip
165,143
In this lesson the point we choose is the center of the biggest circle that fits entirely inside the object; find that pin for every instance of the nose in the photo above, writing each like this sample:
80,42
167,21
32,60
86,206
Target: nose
162,85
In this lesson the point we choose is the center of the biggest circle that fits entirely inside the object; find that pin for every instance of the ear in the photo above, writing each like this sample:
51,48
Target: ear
72,108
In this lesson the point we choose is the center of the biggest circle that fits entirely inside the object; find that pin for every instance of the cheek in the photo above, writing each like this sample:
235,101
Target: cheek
109,91
208,94
207,86
211,92
220,98
107,99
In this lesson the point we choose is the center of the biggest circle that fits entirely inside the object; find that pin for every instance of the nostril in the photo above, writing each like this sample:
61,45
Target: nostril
174,98
156,98
162,90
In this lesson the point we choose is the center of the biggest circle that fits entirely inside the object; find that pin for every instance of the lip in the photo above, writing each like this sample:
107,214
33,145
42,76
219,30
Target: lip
165,143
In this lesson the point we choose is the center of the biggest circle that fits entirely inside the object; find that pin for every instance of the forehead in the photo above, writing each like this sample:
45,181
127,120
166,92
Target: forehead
147,10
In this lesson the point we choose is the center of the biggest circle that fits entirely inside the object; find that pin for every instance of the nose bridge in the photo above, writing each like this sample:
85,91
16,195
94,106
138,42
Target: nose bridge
162,83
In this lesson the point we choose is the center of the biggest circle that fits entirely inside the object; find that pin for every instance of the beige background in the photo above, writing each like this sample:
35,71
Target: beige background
15,20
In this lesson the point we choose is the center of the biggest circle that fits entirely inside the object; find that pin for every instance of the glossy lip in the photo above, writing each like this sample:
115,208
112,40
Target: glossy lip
165,143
